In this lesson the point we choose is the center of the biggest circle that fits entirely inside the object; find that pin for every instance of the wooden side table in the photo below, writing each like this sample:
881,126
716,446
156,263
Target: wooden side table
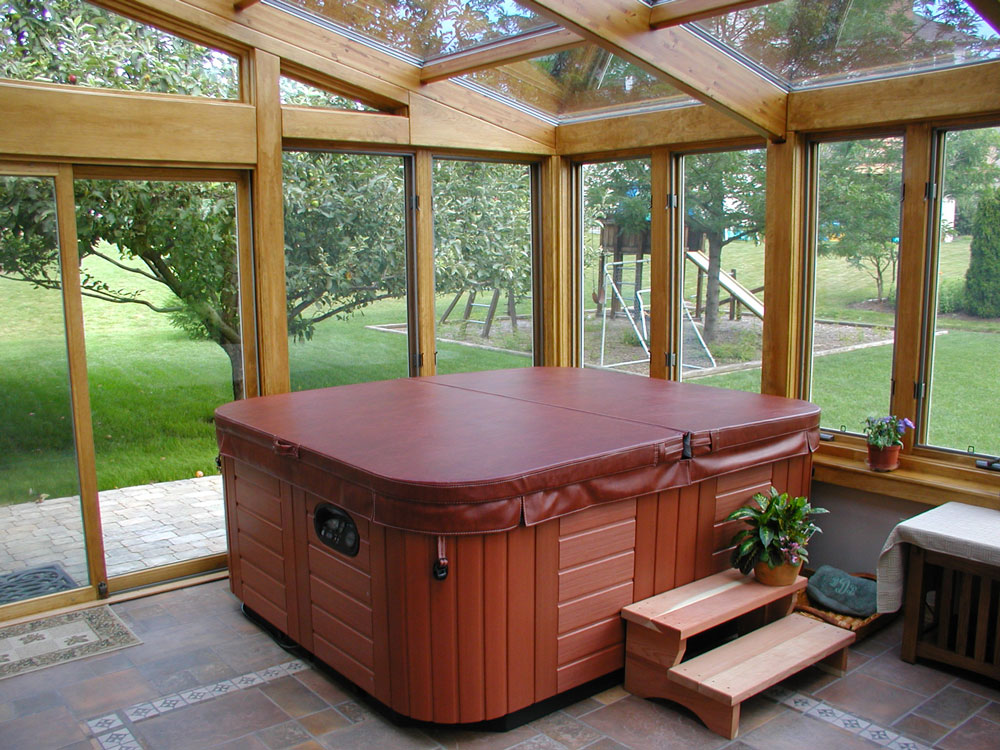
951,595
951,612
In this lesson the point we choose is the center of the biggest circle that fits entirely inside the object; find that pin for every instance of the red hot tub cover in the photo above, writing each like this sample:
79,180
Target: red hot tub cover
481,452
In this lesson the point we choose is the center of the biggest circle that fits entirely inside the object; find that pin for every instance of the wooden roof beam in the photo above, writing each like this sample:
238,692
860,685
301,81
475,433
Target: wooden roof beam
989,11
676,55
684,11
244,4
521,47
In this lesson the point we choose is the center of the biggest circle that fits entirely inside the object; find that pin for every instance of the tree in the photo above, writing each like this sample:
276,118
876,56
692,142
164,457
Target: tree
71,41
982,280
860,184
345,239
482,228
972,167
723,203
344,223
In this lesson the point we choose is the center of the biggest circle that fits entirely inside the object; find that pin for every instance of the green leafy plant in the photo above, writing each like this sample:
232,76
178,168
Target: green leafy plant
885,431
776,531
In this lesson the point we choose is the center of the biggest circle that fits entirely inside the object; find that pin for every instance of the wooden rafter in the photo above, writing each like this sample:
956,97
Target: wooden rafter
677,55
684,11
989,11
522,47
244,4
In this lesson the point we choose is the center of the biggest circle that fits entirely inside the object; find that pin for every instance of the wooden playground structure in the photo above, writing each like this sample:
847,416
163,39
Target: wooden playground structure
630,296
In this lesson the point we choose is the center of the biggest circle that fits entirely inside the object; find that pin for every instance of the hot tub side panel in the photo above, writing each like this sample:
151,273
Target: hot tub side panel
261,540
521,616
343,620
530,613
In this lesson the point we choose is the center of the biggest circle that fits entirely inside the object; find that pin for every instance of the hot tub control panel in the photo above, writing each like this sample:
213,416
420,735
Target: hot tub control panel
336,529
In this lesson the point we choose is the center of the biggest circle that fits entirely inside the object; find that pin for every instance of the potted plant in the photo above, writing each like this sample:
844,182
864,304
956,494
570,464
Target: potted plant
773,543
884,441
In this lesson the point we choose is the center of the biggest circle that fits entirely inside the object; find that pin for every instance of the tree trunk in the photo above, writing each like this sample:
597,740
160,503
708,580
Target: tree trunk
712,285
512,309
235,353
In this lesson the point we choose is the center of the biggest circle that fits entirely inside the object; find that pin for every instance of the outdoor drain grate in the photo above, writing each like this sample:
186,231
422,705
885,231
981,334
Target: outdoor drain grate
26,584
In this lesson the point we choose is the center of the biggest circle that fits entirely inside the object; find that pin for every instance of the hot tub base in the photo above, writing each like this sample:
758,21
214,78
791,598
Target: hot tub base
523,615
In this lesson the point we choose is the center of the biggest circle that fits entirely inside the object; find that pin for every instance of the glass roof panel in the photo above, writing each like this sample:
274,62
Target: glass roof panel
427,28
811,43
578,81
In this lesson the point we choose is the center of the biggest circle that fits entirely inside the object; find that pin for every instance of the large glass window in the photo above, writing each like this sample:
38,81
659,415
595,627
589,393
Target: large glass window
483,251
964,393
345,267
722,312
160,275
614,313
42,547
74,42
297,93
854,283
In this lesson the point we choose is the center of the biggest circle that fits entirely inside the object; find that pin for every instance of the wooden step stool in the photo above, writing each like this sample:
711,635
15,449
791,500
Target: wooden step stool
714,684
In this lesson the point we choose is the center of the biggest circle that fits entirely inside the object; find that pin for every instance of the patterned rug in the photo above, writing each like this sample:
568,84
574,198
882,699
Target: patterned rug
61,638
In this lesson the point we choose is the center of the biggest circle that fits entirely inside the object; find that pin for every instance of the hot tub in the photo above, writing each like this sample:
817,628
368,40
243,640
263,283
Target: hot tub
460,546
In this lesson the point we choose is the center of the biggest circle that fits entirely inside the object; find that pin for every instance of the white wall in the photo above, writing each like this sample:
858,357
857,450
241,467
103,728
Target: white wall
856,527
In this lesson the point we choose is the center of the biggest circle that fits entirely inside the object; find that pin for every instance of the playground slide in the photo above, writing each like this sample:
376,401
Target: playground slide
746,298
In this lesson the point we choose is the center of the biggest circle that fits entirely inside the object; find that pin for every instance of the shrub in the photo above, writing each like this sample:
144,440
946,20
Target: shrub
951,296
982,280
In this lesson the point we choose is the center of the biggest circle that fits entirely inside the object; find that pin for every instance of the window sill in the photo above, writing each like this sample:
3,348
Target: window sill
921,478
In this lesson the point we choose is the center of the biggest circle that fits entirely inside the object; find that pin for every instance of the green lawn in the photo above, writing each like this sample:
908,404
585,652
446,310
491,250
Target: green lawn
153,390
852,385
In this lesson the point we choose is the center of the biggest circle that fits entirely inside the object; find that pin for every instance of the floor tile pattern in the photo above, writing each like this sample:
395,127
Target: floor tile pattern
207,678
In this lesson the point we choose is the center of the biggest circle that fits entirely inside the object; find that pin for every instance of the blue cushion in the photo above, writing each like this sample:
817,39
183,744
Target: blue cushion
841,592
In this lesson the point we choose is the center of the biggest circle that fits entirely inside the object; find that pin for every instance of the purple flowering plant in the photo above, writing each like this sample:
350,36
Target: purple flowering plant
885,431
776,531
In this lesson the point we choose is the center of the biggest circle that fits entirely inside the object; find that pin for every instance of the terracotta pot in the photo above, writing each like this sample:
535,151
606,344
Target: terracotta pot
883,459
783,575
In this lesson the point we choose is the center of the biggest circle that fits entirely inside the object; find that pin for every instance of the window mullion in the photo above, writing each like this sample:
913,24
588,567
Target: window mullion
916,204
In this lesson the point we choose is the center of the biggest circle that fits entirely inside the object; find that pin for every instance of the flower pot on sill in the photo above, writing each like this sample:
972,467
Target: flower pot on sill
883,459
783,575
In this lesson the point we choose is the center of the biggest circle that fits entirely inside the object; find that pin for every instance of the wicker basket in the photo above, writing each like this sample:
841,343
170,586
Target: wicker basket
862,626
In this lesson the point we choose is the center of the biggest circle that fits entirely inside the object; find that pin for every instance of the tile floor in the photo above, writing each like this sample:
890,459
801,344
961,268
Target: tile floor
144,526
205,677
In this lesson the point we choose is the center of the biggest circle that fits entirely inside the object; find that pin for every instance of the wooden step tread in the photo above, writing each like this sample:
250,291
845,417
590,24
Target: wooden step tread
739,669
707,602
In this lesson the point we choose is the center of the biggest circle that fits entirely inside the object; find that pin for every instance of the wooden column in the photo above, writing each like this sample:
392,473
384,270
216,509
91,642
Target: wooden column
663,300
559,261
913,243
269,227
784,264
83,432
424,193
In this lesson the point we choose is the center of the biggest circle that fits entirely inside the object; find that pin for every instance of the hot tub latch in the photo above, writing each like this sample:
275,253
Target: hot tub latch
440,568
283,448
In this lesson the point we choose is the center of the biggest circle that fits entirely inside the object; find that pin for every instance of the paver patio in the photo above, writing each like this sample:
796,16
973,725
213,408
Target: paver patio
144,526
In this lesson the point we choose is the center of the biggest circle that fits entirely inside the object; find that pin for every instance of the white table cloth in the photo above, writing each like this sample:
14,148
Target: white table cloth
966,531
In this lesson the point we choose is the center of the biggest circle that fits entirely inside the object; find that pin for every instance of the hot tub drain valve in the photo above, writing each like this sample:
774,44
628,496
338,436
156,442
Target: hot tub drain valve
440,568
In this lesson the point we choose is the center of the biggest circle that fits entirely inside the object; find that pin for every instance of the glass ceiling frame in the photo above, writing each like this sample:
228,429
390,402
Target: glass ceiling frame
736,56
